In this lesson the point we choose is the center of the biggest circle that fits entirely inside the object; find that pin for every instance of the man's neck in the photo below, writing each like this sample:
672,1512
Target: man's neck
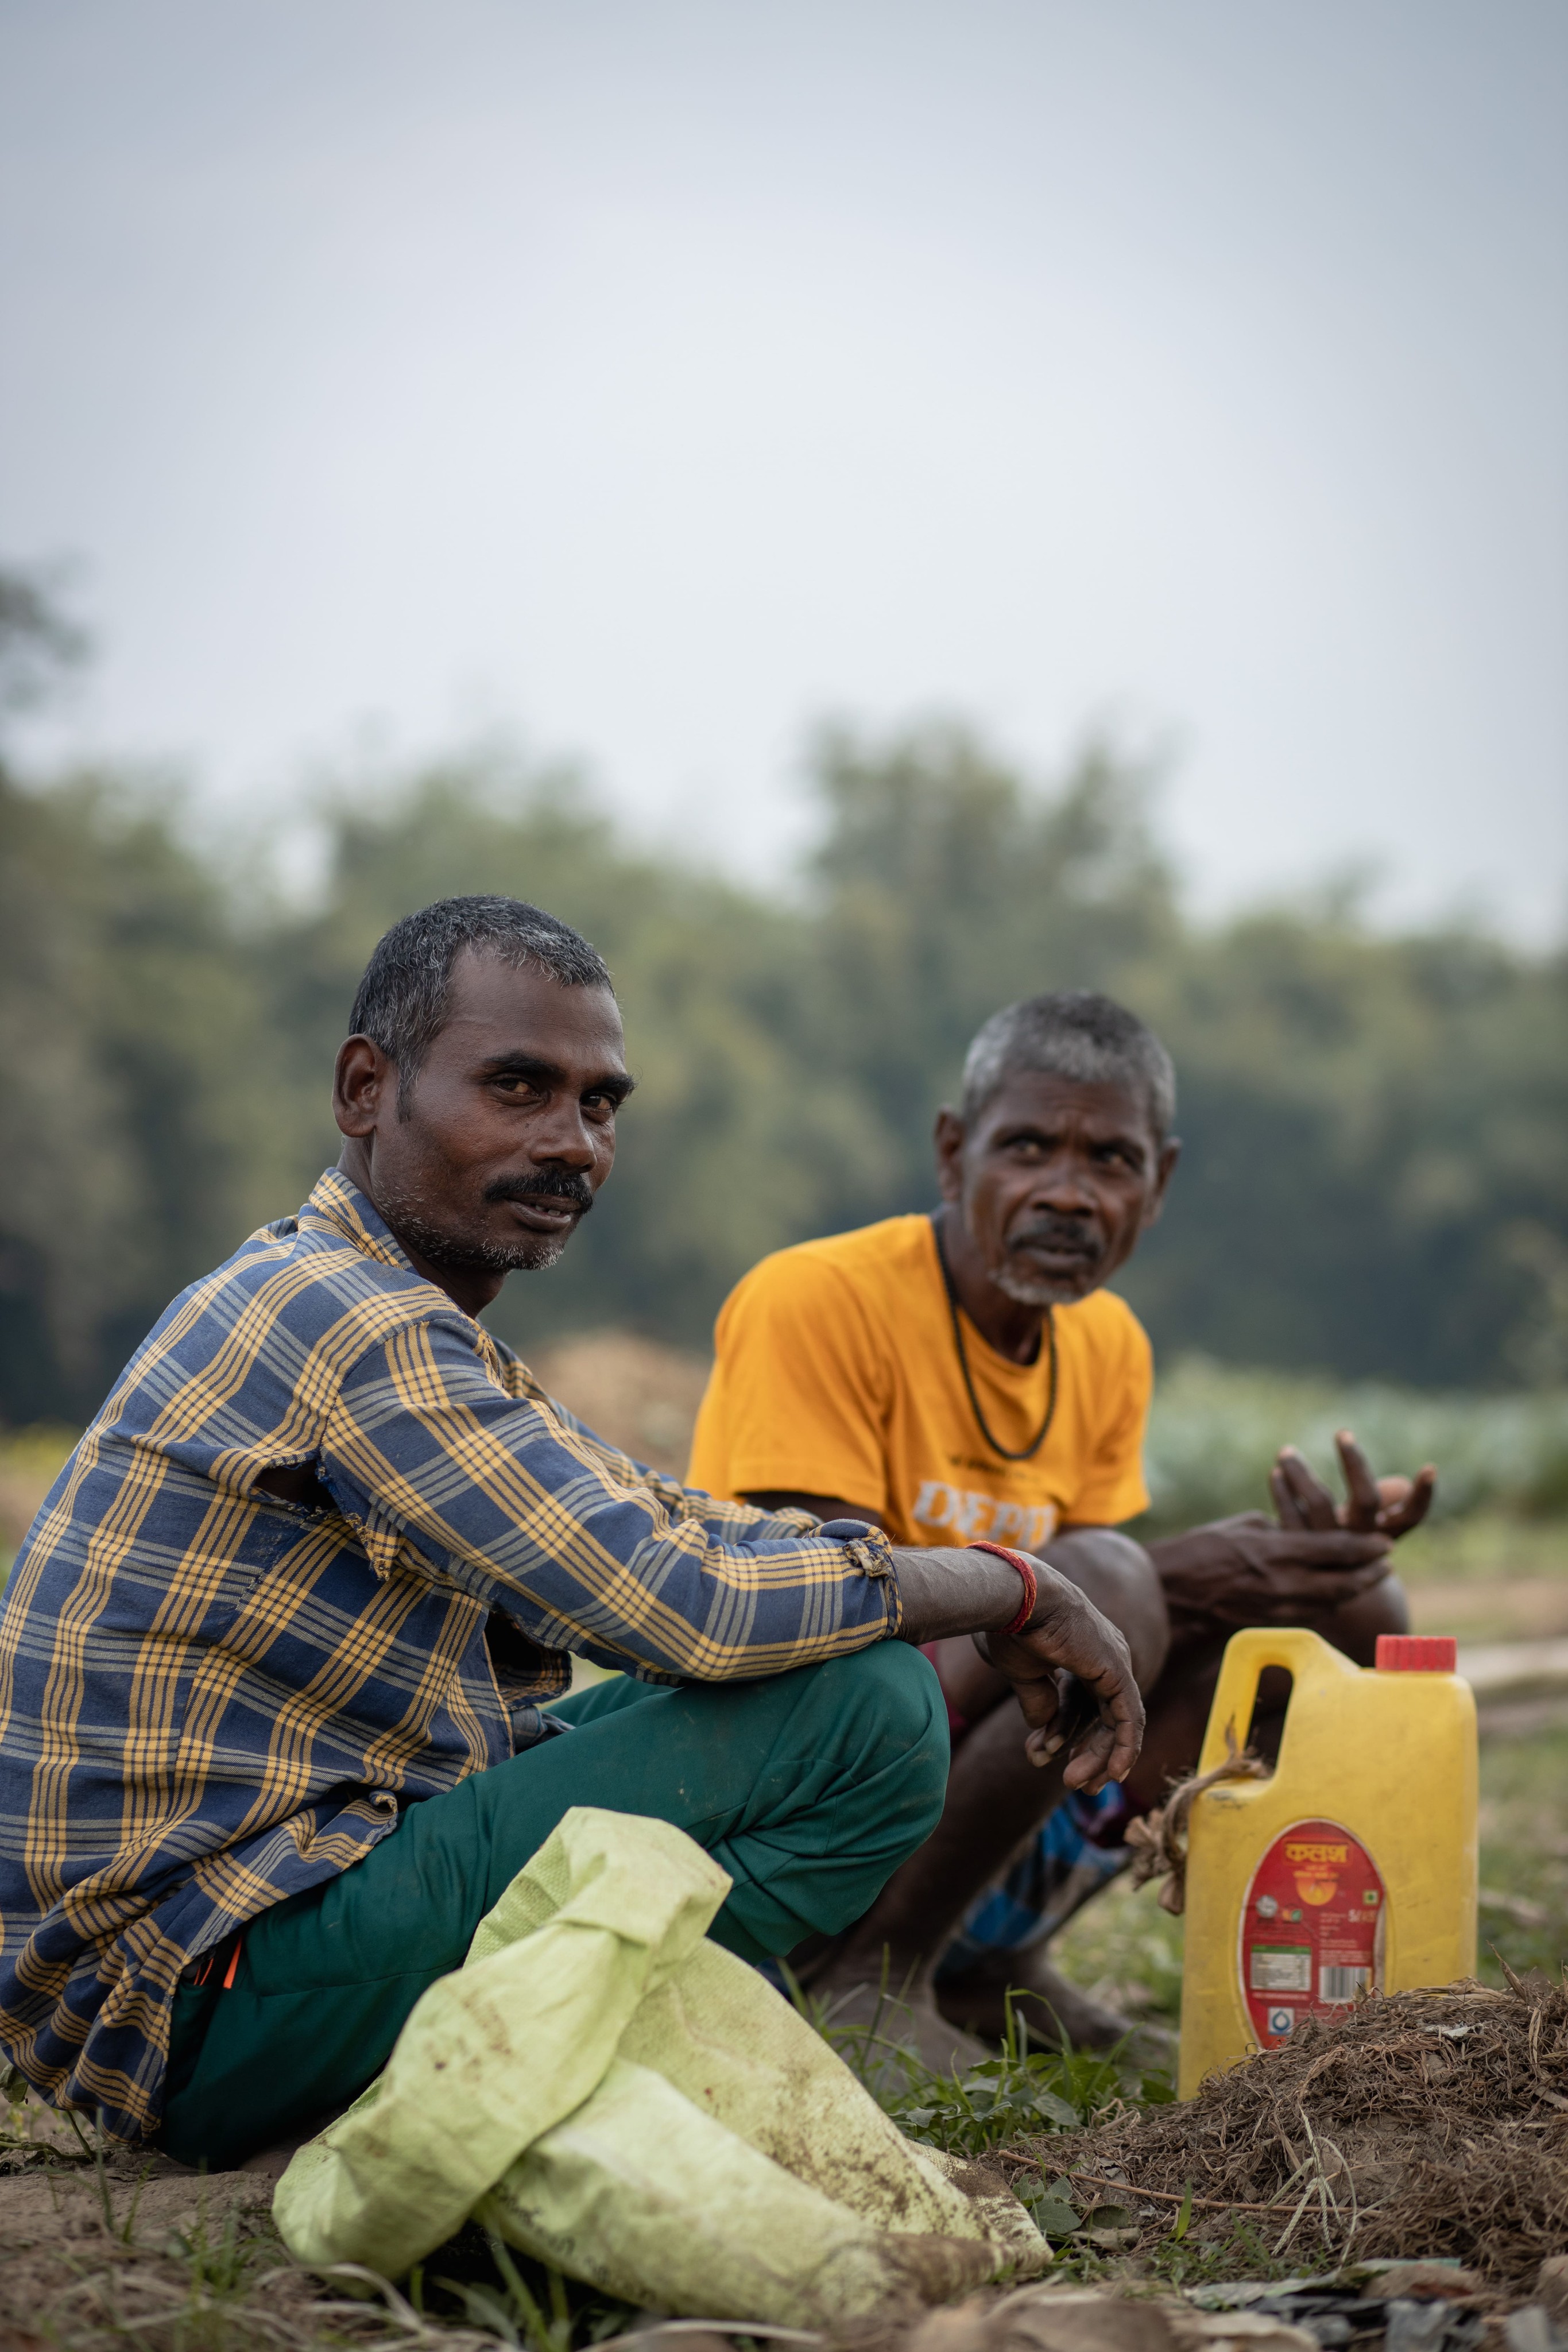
471,1289
1010,1326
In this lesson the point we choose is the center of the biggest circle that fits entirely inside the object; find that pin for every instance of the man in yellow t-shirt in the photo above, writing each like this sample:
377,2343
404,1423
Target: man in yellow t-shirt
836,1374
966,1377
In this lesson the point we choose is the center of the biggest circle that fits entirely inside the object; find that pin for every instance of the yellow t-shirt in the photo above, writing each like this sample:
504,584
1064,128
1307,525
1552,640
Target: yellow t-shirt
836,1374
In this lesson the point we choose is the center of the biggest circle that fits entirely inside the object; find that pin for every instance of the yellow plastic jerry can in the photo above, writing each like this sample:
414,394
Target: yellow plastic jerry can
1353,1867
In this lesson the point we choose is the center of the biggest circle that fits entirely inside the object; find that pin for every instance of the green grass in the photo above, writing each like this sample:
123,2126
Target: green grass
1126,1949
31,1461
39,1451
1020,2093
1525,1853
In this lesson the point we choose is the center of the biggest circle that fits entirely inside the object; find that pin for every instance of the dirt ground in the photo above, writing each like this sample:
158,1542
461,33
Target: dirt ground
100,2256
90,2256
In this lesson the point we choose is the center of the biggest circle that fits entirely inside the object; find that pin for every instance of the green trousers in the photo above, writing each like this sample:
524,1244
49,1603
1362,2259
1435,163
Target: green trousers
809,1787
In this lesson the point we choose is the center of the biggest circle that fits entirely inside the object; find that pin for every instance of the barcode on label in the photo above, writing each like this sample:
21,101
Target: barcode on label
1341,1984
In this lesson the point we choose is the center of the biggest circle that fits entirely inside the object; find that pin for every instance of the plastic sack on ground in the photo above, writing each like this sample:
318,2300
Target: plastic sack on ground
619,2097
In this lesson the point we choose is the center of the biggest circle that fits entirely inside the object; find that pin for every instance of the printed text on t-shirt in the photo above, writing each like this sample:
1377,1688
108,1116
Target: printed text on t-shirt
962,1512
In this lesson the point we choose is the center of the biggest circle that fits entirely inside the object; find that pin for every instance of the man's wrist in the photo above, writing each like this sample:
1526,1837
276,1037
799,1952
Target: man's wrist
948,1590
1029,1599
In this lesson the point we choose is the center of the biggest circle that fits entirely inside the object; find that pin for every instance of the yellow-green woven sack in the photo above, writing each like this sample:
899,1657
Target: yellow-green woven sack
611,2092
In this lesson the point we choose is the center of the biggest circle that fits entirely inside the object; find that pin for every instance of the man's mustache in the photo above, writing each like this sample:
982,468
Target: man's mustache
1062,1236
557,1184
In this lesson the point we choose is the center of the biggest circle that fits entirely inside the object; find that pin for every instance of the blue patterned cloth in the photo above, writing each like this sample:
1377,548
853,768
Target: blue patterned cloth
1075,1851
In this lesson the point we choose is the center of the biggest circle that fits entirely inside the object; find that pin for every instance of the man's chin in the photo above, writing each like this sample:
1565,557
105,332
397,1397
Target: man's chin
524,1255
1061,1288
519,1253
543,1250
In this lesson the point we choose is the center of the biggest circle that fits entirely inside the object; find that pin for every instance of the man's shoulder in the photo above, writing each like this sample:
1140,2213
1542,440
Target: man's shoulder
299,1258
875,1262
304,1283
1104,1327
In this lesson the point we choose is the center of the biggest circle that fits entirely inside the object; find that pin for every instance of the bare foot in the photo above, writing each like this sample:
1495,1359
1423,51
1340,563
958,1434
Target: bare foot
1057,2012
894,2024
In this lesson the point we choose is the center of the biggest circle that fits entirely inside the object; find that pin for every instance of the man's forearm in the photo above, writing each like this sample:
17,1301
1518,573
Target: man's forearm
947,1591
1121,1578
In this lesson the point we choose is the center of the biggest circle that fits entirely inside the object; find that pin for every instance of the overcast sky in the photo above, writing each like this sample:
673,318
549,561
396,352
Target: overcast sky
660,374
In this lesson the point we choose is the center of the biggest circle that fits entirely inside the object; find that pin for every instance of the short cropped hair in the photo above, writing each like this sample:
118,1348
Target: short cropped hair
401,1004
1073,1033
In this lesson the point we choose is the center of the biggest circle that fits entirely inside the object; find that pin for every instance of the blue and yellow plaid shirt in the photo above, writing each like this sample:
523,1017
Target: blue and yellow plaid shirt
210,1699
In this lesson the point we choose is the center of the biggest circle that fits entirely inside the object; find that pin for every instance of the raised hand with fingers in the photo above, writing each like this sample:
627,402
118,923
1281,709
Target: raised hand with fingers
1320,1556
1384,1506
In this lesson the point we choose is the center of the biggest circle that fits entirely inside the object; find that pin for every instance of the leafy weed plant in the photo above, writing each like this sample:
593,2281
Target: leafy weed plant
489,2285
1017,2095
509,2308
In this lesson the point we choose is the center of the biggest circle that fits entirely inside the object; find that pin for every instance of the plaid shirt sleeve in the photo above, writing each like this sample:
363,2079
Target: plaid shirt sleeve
427,1453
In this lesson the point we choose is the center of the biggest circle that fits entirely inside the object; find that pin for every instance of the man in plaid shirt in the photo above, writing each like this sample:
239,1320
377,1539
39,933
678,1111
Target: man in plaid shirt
273,1656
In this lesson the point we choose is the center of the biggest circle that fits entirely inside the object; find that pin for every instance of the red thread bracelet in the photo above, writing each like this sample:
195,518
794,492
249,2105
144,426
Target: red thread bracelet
1025,1568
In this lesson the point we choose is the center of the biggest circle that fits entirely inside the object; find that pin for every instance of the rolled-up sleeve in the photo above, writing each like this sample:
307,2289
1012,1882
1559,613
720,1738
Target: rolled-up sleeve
428,1454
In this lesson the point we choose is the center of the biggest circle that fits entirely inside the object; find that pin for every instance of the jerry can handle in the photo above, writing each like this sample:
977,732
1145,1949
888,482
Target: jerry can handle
1299,1650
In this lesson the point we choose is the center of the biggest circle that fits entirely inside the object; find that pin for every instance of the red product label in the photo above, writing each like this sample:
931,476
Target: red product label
1311,1929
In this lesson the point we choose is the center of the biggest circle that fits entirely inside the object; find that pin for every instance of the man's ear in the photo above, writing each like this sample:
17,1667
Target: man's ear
1170,1152
948,1138
364,1087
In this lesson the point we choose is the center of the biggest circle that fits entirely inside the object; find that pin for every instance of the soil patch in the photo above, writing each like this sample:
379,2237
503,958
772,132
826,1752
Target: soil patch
94,2258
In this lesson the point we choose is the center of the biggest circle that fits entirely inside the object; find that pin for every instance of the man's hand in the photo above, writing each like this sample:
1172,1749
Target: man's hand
1248,1571
1387,1506
1068,1655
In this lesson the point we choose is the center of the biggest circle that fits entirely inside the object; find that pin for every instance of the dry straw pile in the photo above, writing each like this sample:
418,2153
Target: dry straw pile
1423,2123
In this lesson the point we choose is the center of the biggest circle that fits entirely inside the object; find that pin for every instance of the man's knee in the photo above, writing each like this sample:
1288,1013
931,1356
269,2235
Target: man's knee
1355,1628
1123,1583
891,1696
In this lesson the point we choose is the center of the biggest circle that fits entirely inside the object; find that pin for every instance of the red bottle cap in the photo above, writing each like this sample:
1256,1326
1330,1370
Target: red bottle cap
1416,1653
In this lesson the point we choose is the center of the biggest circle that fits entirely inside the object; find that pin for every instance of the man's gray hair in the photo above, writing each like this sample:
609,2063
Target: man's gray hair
401,1004
1073,1033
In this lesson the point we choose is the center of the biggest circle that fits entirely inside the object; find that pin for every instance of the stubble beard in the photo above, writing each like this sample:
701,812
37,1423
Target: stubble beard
1038,1289
468,1253
1030,1290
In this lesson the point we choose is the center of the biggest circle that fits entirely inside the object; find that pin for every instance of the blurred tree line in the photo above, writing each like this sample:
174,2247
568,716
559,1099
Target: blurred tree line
1375,1181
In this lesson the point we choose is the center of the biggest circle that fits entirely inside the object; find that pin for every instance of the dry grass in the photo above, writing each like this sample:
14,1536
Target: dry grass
97,2258
1424,2124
